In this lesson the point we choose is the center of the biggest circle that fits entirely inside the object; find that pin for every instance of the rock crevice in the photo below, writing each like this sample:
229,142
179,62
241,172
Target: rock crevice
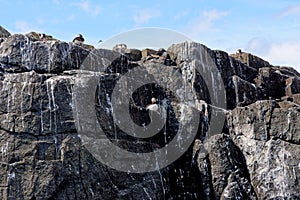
254,155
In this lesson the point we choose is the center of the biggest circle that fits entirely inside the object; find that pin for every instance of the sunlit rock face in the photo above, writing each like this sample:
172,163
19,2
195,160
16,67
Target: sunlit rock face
268,135
255,155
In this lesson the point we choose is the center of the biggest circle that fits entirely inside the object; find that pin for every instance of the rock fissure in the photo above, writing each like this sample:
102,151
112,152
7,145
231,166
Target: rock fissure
42,155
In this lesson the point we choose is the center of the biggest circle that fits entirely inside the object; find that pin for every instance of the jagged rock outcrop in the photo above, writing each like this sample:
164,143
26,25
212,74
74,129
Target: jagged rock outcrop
224,169
269,137
253,155
4,33
22,53
250,60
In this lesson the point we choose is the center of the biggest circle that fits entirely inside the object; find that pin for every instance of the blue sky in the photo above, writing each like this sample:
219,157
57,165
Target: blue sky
267,28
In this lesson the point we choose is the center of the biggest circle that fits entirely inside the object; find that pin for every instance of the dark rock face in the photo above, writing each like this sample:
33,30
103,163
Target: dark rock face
224,167
20,53
4,33
250,60
254,156
268,135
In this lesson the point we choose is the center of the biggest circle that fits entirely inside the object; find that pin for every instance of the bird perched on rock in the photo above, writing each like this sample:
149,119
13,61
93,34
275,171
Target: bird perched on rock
160,51
78,39
153,106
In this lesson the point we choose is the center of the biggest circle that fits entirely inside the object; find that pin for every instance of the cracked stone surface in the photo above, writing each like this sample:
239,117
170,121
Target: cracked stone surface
269,137
255,156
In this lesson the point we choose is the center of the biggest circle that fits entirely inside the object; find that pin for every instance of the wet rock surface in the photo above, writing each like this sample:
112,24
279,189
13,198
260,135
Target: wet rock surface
43,82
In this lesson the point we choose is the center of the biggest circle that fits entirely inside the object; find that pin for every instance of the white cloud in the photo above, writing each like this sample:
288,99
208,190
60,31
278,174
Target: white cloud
25,27
291,10
285,53
143,16
87,7
204,23
260,46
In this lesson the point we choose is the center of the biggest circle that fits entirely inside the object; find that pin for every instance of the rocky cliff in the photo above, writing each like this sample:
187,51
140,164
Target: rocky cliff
46,130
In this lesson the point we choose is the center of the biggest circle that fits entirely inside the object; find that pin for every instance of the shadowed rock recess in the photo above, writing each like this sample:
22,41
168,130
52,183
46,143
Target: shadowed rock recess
256,156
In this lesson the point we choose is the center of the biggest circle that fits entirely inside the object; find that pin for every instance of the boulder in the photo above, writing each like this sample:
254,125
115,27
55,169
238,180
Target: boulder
271,82
133,54
224,167
147,52
21,53
292,86
268,137
241,92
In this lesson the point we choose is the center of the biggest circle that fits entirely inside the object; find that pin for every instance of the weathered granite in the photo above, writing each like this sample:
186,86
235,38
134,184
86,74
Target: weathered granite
269,137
